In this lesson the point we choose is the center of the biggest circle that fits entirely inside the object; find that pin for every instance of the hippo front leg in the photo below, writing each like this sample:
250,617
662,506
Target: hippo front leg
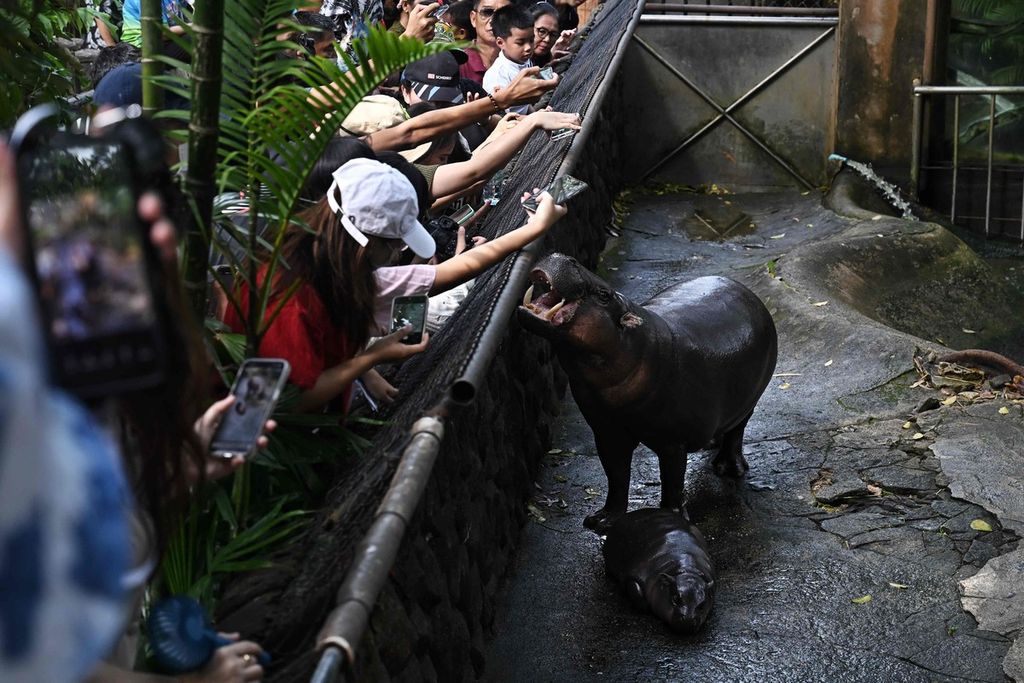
616,452
672,463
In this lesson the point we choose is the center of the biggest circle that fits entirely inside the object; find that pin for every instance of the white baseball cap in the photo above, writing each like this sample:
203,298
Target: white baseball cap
372,198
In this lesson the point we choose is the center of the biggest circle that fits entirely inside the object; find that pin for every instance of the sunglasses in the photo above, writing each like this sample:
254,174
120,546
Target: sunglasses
486,12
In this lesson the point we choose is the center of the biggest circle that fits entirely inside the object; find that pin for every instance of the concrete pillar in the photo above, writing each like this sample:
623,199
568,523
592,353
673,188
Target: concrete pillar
882,46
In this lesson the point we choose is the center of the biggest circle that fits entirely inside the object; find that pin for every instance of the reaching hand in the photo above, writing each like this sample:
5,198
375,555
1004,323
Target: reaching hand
379,388
547,211
390,348
421,22
561,46
234,663
555,120
524,89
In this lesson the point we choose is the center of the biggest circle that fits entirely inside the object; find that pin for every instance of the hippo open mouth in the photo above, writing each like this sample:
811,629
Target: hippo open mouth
546,303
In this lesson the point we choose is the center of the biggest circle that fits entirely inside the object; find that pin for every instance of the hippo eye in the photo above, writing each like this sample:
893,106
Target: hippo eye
604,296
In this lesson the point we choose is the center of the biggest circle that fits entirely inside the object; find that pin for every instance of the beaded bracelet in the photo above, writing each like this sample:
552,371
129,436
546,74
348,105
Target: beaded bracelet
497,110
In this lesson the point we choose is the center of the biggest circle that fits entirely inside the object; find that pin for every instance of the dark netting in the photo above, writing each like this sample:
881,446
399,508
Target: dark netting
826,4
425,379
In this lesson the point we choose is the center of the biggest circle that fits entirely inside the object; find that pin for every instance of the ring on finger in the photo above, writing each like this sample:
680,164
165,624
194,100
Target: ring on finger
246,659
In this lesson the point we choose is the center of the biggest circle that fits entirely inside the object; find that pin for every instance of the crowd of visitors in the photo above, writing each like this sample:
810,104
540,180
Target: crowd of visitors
390,210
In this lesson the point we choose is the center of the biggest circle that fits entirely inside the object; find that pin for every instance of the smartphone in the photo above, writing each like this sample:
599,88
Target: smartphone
96,273
463,215
440,11
410,310
257,388
561,190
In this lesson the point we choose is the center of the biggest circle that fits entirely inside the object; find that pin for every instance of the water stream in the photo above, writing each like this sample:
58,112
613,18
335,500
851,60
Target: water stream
890,191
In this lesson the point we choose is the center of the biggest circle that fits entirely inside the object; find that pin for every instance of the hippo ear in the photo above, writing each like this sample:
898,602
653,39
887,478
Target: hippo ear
630,320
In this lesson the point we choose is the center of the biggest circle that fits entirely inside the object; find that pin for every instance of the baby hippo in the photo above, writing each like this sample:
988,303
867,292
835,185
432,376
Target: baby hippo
661,562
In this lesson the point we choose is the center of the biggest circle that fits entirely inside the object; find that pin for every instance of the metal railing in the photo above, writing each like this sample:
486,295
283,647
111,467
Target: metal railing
992,92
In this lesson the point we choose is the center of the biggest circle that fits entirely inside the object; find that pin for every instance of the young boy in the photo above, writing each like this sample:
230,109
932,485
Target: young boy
513,33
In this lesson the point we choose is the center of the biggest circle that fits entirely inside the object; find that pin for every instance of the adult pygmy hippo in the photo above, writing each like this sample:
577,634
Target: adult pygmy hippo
682,371
661,562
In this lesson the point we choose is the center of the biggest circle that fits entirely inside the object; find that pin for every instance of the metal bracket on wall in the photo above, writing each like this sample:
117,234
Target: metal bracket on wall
725,113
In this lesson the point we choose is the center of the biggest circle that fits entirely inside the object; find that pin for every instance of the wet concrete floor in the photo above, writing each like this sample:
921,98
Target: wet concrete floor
844,498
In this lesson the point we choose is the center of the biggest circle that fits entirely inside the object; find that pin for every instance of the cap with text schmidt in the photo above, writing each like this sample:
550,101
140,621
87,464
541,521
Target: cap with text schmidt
371,198
436,78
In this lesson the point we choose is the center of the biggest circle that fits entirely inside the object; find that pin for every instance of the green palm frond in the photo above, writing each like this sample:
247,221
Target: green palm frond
272,129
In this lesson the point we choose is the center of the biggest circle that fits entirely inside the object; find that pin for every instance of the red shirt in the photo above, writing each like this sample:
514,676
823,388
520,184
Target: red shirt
303,334
474,68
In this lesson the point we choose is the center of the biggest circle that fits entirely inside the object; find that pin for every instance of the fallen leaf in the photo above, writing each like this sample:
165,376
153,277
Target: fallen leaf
777,237
591,491
810,225
828,362
908,425
1004,411
786,385
949,401
804,194
874,490
877,218
554,451
862,600
969,331
820,303
980,525
786,374
561,478
536,513
917,435
900,586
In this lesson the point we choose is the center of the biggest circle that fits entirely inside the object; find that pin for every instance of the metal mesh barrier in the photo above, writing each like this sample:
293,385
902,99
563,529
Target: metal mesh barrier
825,4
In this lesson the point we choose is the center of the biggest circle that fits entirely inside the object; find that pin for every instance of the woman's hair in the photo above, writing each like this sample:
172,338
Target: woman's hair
458,15
158,437
339,151
319,251
419,183
541,8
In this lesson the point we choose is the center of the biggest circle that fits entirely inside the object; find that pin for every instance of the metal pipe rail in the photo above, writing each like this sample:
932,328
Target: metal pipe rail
957,92
343,629
742,10
733,20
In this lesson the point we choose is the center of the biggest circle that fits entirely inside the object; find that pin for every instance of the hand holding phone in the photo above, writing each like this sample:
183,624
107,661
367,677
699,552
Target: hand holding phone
257,389
410,310
547,73
561,190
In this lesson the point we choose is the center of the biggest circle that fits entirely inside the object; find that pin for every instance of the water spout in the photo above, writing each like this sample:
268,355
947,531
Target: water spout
890,191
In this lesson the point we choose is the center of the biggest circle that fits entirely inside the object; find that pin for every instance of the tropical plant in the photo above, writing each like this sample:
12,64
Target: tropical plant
34,67
986,47
253,140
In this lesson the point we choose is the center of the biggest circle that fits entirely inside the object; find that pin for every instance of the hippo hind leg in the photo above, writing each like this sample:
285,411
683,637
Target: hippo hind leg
729,461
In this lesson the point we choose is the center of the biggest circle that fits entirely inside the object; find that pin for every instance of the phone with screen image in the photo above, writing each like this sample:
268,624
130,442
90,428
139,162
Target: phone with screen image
256,389
96,273
410,310
561,189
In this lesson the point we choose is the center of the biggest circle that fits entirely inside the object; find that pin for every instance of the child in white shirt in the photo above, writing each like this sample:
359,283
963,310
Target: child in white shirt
513,32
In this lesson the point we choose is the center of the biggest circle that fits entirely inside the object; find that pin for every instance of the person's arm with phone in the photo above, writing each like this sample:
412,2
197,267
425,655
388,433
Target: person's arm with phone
457,178
333,381
420,24
526,88
472,262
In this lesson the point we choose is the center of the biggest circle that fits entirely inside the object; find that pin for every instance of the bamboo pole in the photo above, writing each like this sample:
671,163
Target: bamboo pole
151,19
207,48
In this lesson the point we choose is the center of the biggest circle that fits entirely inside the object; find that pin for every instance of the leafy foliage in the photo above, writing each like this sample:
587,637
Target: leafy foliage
34,68
276,116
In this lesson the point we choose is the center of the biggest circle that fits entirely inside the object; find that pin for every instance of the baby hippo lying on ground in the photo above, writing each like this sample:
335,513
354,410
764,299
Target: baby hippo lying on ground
661,562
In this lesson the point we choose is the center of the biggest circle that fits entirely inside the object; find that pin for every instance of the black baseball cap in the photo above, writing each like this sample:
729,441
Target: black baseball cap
436,78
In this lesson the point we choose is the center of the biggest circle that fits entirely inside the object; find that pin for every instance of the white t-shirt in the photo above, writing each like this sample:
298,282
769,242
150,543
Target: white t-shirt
502,72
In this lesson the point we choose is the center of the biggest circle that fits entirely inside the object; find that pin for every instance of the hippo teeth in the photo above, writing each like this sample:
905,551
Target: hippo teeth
554,309
528,297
